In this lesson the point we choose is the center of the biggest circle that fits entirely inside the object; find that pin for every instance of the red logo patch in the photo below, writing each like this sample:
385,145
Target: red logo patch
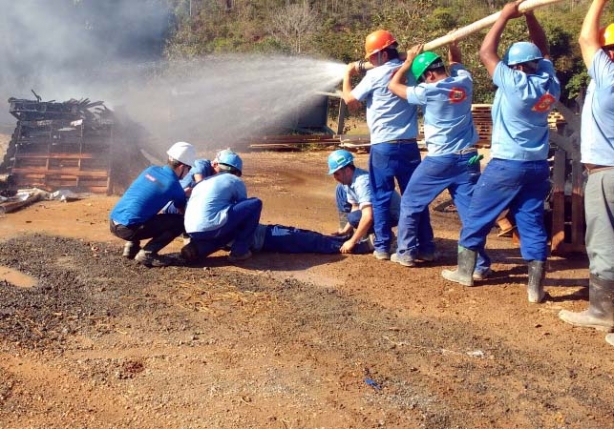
544,103
457,95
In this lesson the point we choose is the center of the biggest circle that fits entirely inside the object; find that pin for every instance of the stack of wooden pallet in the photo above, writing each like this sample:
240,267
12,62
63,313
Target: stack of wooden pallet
61,145
483,123
556,120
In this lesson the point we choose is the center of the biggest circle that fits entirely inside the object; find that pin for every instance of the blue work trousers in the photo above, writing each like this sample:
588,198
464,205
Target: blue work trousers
387,162
520,185
239,229
599,210
287,239
434,175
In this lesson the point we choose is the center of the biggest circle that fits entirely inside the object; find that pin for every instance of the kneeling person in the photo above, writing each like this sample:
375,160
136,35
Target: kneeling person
219,212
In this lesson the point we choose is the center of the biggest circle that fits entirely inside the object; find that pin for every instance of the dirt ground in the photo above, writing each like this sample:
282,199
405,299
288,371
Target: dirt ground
284,341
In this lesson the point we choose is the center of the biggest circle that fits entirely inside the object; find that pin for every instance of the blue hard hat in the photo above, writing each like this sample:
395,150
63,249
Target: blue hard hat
522,52
339,159
229,158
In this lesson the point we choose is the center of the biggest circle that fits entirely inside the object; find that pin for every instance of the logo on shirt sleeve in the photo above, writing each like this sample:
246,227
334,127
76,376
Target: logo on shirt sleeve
544,103
457,95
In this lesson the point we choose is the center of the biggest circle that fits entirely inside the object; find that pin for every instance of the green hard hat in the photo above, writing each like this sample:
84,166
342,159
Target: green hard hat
423,62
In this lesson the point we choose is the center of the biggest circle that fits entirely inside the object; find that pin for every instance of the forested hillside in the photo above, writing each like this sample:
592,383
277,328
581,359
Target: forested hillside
335,29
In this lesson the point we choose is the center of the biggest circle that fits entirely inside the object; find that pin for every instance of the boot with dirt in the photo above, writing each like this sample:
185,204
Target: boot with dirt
131,248
535,288
600,313
148,255
189,252
464,272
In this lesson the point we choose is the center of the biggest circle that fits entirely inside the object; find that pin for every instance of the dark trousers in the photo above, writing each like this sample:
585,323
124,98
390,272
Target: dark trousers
162,229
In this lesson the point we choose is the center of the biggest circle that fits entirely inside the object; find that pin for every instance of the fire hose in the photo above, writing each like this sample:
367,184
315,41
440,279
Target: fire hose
483,23
463,32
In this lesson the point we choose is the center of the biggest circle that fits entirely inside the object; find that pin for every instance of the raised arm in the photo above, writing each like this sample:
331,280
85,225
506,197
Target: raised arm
488,50
589,34
454,53
537,34
397,84
349,99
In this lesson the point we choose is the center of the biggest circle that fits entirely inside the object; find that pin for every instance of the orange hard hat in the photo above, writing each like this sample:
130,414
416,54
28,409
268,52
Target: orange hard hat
606,35
378,41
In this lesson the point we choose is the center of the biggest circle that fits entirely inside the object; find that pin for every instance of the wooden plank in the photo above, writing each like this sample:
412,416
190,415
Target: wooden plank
558,201
274,146
578,224
63,155
68,172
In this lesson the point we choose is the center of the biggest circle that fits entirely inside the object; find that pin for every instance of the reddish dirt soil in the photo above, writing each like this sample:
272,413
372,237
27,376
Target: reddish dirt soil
285,341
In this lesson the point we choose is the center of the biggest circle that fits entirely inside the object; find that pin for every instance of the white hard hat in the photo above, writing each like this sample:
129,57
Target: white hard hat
183,152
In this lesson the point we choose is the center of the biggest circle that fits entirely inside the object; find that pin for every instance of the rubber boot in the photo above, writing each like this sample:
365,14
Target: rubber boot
189,252
535,289
148,255
464,272
600,313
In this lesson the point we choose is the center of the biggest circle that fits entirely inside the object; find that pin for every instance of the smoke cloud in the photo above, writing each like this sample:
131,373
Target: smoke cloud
113,50
75,48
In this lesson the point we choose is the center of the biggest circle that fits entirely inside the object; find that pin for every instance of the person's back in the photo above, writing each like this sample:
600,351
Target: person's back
448,121
598,111
388,117
210,201
520,110
152,189
393,128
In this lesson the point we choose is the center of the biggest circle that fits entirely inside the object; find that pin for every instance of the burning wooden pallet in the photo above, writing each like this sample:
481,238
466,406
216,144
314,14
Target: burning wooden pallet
61,145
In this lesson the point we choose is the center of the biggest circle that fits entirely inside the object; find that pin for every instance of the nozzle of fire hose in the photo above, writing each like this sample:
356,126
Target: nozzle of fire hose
475,159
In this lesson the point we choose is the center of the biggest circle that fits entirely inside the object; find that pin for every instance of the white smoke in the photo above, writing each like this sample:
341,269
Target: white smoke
75,48
112,50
